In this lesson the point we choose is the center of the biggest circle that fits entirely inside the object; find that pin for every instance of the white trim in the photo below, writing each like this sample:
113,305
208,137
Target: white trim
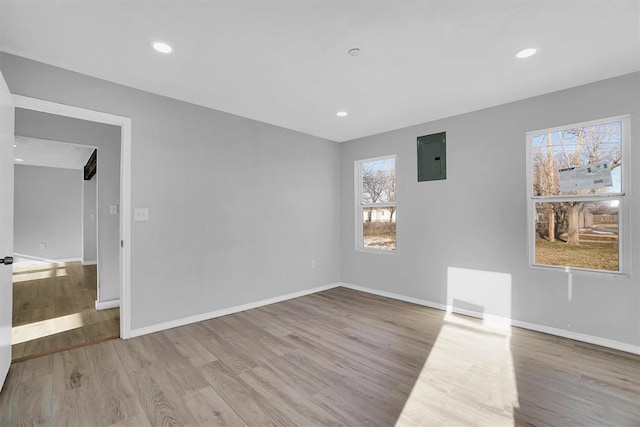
103,305
97,231
225,311
391,295
359,206
379,251
582,198
125,186
95,262
604,342
49,260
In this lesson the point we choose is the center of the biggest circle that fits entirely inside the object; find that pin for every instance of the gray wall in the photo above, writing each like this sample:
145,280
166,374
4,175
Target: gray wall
89,218
47,209
475,220
107,139
238,208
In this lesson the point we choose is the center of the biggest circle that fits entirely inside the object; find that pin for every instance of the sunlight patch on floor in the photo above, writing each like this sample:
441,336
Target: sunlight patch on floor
477,387
35,270
44,328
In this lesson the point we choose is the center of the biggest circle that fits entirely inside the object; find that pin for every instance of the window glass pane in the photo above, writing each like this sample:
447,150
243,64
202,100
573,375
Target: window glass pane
379,181
555,153
379,228
578,234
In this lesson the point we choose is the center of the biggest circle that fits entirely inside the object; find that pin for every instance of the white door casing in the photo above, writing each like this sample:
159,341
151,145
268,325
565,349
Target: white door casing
7,113
34,104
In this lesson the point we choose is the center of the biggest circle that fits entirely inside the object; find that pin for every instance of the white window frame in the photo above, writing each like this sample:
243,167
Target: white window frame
623,208
359,206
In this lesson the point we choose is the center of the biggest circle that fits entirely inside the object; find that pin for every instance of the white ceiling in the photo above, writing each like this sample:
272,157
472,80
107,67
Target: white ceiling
285,62
53,154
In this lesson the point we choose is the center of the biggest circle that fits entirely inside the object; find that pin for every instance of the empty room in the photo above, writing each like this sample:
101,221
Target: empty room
320,212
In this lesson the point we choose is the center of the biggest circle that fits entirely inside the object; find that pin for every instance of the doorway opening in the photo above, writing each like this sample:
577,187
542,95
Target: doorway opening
93,293
56,271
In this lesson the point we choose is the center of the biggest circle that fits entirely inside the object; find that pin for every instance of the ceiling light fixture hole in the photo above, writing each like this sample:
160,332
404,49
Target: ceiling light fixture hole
354,52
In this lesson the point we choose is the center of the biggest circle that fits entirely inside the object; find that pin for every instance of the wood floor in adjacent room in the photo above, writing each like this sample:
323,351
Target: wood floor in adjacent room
54,309
338,357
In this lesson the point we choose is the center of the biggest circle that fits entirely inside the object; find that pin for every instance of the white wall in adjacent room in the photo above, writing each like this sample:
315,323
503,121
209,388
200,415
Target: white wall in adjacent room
106,138
48,211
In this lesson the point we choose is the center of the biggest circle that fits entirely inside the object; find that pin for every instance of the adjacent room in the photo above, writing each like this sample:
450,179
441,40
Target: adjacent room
319,213
59,234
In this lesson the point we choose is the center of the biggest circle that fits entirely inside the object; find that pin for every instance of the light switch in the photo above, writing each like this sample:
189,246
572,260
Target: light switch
141,214
113,209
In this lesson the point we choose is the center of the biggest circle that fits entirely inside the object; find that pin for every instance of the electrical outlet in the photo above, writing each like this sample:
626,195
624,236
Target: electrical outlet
313,263
43,246
141,214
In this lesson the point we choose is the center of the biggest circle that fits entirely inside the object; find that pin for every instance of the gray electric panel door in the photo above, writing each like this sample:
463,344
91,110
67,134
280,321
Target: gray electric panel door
432,157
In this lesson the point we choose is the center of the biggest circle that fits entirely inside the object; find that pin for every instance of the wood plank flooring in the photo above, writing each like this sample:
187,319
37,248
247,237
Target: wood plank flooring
338,357
55,303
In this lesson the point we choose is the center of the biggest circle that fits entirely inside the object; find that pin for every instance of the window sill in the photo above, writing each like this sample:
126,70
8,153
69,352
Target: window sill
580,271
376,251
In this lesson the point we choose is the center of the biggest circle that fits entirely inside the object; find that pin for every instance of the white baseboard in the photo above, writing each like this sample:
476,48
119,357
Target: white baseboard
104,305
89,262
395,296
225,311
604,342
51,261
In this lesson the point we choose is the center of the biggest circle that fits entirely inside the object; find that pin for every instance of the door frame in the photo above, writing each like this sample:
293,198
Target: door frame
124,123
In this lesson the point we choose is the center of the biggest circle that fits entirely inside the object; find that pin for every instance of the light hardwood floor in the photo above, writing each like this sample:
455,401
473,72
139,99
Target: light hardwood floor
339,357
55,304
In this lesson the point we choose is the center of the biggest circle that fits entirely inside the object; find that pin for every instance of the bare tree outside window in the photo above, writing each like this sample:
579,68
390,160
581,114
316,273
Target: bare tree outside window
377,204
577,228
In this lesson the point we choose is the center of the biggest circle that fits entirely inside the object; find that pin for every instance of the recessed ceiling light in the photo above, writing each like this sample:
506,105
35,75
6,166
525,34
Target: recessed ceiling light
526,52
14,145
19,160
162,47
354,52
342,114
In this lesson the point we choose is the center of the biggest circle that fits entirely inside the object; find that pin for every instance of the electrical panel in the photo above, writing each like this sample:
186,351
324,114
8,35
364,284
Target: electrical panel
432,157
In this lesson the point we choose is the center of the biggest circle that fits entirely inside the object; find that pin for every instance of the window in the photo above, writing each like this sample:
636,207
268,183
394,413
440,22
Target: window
576,184
376,204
